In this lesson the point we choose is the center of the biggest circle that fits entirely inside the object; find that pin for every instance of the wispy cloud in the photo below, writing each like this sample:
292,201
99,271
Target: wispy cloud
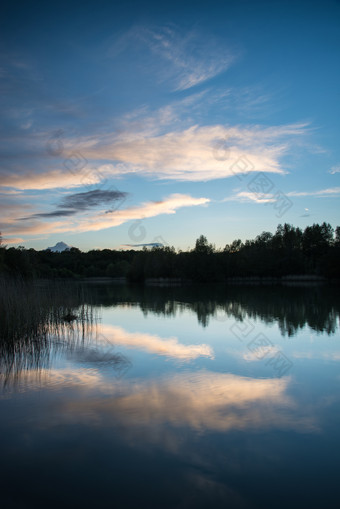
13,240
163,144
90,199
193,59
184,58
55,213
322,193
102,220
246,196
80,202
194,154
335,169
50,179
167,205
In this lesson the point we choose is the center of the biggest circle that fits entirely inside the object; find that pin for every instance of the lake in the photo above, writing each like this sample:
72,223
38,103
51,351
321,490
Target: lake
178,397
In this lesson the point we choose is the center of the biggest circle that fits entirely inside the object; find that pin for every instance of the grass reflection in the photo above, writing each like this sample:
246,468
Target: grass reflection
39,319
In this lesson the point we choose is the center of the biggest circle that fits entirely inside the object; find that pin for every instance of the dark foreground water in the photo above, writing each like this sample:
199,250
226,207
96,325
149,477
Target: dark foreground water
178,398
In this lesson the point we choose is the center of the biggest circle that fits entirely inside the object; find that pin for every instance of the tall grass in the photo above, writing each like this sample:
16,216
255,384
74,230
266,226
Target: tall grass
36,317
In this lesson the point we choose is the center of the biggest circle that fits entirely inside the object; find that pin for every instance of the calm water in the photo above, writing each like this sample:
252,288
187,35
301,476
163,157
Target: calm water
178,398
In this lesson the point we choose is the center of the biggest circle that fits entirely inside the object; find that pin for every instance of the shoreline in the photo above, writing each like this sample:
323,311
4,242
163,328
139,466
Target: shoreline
239,280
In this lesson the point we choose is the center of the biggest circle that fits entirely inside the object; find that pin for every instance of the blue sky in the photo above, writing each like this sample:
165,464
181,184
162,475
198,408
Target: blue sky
131,123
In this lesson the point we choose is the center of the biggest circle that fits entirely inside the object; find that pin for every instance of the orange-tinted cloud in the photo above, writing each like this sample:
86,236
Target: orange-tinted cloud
169,347
101,220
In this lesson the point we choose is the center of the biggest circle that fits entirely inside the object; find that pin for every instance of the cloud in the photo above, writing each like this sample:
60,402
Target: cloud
306,213
181,59
193,59
53,179
168,205
164,144
194,154
149,244
80,202
246,196
89,199
169,347
56,213
101,220
11,209
323,193
335,169
13,240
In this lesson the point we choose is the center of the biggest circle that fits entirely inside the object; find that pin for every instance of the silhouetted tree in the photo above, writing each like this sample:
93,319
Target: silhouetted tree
289,251
202,246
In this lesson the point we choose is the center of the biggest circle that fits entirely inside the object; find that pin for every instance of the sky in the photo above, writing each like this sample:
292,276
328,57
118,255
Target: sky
139,123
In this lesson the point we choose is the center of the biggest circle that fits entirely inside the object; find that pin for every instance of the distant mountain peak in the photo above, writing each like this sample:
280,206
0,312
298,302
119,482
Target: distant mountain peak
59,247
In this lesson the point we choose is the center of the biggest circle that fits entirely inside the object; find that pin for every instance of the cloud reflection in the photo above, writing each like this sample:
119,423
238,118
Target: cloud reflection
207,402
204,402
169,347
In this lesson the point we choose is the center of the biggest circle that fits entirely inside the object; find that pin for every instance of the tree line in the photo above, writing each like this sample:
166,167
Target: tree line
289,251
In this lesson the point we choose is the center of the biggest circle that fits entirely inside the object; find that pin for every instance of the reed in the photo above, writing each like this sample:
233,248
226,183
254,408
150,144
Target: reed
38,317
32,309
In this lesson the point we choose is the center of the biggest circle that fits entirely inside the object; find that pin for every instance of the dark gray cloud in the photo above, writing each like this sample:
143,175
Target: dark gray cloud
79,202
55,213
89,199
150,244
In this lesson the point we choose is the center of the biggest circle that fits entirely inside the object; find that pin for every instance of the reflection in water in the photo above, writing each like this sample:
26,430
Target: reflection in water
154,344
30,365
90,348
37,321
291,307
29,358
194,424
202,401
44,378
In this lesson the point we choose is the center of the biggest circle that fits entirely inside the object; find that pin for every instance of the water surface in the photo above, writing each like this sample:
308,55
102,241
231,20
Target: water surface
178,397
